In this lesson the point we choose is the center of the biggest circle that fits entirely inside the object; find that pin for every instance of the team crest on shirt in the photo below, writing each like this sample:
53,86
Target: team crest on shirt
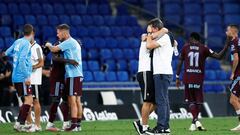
29,90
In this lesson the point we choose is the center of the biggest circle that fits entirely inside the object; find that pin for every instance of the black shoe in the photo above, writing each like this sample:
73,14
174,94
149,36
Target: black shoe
157,131
138,127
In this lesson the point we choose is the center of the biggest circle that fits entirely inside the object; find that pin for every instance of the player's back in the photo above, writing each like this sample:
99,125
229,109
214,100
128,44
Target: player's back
144,63
21,53
194,56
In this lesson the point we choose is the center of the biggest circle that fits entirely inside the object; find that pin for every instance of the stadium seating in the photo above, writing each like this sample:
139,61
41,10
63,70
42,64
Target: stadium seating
111,65
111,76
88,76
122,76
99,76
113,41
93,66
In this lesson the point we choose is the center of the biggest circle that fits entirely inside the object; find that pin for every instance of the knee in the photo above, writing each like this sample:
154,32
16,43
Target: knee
72,103
37,104
232,100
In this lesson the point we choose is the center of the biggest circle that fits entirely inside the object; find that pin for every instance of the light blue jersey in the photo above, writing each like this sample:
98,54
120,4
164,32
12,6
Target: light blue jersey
72,50
21,53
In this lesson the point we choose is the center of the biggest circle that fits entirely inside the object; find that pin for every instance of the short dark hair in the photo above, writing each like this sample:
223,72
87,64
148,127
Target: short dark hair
156,23
234,26
27,29
63,27
195,36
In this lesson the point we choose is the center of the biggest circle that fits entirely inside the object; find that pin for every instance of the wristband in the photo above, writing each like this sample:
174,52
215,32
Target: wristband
177,76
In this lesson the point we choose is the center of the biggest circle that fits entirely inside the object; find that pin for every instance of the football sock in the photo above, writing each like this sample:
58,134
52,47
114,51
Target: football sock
53,111
238,113
65,109
79,122
74,122
24,110
194,110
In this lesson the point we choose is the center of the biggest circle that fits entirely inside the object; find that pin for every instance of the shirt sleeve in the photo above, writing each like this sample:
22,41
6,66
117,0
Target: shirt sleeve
33,53
234,47
38,53
9,51
24,60
64,46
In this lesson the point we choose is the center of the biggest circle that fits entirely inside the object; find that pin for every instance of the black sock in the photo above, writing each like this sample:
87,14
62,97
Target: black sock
79,122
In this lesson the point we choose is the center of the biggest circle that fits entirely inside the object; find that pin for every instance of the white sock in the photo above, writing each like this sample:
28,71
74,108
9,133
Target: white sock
145,127
238,112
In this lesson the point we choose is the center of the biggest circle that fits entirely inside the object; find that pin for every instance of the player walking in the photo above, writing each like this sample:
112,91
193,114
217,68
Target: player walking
194,55
74,76
22,68
232,31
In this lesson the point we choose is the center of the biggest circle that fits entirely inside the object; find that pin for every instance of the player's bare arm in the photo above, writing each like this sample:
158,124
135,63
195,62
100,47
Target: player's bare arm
160,33
52,48
156,35
222,53
179,67
65,61
39,64
235,64
151,44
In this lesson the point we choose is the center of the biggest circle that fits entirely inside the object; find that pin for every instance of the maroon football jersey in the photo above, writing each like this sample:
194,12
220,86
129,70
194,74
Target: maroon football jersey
235,48
58,70
194,57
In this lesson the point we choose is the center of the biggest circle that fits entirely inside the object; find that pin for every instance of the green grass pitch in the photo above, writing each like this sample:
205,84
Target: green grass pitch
215,126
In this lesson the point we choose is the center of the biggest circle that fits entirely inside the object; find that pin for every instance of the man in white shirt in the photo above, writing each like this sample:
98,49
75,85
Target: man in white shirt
146,83
36,81
162,74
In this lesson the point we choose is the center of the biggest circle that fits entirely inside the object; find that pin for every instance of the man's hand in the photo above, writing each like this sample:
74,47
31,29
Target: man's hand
28,82
73,62
232,76
178,83
8,73
46,72
3,54
160,33
144,37
48,45
2,76
149,29
33,67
